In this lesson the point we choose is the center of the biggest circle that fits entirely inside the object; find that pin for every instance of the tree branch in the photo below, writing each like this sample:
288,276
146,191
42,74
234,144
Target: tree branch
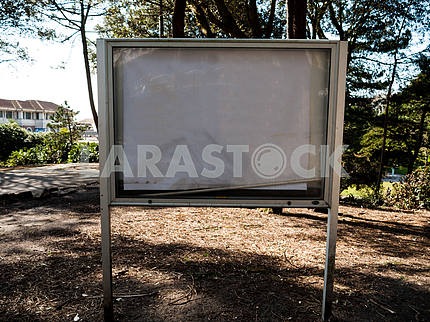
335,22
229,23
203,21
61,10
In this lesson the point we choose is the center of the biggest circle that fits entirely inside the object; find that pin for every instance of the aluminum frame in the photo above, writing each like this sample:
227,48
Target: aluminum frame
335,113
338,57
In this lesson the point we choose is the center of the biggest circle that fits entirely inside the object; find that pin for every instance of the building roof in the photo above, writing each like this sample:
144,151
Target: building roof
30,105
87,121
90,122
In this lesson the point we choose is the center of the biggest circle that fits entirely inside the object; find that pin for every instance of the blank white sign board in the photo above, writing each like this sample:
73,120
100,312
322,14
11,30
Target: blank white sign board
196,97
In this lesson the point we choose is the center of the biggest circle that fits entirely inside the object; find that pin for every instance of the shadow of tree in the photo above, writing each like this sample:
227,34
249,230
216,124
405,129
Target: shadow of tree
185,282
179,282
376,234
82,200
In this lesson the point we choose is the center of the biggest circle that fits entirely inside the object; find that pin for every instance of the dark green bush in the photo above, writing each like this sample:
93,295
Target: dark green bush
53,147
413,192
13,138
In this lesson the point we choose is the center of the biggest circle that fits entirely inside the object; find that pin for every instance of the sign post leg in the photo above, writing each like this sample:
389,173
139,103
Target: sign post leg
106,262
329,262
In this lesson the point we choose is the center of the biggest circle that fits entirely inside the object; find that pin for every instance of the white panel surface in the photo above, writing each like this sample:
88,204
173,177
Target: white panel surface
199,96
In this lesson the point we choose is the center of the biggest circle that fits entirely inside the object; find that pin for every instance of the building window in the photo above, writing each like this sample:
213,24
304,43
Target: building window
28,115
9,114
37,116
1,113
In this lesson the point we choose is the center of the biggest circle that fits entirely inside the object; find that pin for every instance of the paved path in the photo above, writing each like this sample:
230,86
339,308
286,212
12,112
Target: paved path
37,180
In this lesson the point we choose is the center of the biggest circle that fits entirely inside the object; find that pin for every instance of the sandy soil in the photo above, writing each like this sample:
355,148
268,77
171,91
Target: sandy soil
198,264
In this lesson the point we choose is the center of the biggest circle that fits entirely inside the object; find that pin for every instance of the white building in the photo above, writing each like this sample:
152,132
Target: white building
32,115
90,135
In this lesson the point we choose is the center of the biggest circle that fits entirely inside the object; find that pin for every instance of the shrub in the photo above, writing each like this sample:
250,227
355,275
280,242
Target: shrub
413,192
52,147
34,139
56,146
84,152
13,137
28,156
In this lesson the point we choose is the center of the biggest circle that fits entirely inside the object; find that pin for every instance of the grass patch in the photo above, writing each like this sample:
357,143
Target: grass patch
365,191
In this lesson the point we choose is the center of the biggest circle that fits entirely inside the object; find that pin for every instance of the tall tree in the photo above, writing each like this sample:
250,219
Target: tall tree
137,18
416,97
402,43
370,27
296,29
203,18
74,15
65,118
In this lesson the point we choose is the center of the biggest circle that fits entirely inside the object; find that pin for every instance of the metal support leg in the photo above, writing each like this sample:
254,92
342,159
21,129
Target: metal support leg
106,262
329,262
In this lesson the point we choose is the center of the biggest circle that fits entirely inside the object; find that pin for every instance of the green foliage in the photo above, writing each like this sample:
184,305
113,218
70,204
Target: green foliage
365,196
66,133
84,152
207,18
56,146
407,136
53,150
51,147
13,137
372,31
19,18
29,156
413,192
65,119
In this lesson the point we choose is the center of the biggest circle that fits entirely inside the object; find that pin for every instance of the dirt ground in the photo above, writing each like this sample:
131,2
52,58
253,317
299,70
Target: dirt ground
198,264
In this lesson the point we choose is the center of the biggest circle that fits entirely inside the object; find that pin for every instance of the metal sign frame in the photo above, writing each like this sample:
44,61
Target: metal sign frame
108,197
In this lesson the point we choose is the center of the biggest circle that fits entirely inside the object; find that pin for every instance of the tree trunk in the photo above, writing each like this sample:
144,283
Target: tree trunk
254,19
88,75
269,27
418,142
161,21
384,136
296,19
178,20
387,109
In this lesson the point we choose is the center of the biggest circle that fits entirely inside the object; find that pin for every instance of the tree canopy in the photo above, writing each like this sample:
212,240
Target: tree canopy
19,18
387,103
